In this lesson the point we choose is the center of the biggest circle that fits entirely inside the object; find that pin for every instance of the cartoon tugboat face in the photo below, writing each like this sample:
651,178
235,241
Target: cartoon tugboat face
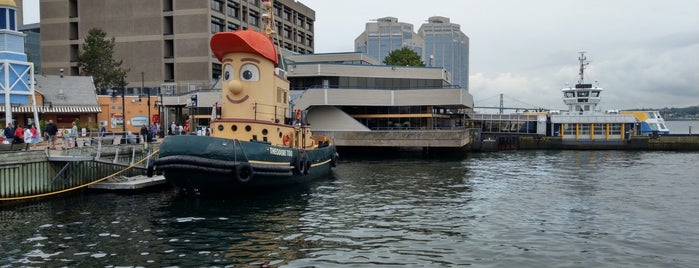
245,71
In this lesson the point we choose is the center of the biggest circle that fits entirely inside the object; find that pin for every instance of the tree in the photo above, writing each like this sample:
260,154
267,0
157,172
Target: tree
403,57
96,60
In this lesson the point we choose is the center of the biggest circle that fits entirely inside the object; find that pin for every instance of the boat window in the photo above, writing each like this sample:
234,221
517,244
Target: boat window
584,129
582,100
662,126
569,129
583,93
651,115
615,129
653,126
595,93
569,94
600,129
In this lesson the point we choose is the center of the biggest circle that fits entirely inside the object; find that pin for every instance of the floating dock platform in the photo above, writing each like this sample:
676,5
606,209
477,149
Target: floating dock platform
130,183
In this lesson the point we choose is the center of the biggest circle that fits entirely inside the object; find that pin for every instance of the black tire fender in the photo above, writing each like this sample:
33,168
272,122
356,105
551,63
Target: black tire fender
244,172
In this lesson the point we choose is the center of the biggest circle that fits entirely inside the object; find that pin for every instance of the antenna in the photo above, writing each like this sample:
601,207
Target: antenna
583,62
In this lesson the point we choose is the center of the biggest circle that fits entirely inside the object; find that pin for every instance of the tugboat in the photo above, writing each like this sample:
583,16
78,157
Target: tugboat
258,142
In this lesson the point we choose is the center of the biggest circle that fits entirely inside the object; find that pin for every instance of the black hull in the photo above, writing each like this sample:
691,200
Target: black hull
215,166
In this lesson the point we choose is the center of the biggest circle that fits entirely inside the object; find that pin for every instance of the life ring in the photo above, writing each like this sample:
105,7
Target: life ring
244,172
298,114
286,139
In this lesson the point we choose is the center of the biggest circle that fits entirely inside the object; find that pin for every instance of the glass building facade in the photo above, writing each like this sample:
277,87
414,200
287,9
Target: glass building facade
439,43
446,46
386,35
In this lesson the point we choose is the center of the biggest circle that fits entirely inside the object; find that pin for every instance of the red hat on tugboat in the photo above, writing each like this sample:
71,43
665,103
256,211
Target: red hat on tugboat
248,41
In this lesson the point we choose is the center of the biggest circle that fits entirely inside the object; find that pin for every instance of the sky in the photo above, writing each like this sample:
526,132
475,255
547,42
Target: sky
645,54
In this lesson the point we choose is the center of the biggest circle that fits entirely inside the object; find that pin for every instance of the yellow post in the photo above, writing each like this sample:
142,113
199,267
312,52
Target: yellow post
592,131
577,133
562,130
606,132
623,133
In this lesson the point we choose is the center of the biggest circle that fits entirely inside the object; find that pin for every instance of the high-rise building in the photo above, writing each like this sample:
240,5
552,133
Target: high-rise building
32,44
439,43
446,46
166,40
385,35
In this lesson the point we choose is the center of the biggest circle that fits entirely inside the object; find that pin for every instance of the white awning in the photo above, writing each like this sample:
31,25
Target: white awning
54,109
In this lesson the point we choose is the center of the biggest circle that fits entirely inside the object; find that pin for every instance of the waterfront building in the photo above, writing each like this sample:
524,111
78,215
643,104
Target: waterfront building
439,43
29,98
166,40
350,94
16,73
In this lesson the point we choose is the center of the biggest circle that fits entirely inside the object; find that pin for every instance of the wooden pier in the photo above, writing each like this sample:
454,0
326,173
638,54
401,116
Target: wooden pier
40,171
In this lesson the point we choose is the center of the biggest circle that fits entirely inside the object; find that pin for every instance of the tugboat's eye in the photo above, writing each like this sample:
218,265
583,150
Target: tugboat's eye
249,72
227,72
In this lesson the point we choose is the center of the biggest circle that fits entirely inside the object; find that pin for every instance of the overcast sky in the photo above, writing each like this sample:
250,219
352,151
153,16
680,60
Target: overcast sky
645,54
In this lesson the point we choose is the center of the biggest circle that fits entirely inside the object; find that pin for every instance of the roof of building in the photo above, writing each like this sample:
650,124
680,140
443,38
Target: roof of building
67,90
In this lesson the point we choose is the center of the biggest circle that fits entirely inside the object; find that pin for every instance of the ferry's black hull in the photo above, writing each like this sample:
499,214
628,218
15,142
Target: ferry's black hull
201,165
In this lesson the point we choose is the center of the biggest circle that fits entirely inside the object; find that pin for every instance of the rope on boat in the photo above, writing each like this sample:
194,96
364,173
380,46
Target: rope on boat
81,186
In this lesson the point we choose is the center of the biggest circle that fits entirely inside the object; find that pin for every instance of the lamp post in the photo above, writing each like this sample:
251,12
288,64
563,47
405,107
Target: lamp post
123,106
149,134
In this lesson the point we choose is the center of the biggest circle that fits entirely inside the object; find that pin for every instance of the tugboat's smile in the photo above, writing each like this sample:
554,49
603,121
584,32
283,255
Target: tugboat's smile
237,101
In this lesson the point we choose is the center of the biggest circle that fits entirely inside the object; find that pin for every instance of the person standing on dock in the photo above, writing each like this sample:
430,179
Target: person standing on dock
74,136
35,138
103,129
19,134
9,133
51,130
28,135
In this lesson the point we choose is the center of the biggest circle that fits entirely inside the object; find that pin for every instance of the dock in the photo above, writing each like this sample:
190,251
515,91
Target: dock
129,183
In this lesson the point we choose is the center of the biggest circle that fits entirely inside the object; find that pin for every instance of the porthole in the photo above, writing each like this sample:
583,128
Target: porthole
264,132
248,128
220,127
234,127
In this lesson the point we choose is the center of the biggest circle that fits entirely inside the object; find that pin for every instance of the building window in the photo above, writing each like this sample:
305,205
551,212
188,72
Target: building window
215,71
232,27
234,10
216,25
217,5
254,18
167,5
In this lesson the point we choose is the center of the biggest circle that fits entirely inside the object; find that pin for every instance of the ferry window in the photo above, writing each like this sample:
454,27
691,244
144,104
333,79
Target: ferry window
570,94
615,129
653,126
583,93
584,129
569,129
582,100
662,126
595,93
600,129
651,115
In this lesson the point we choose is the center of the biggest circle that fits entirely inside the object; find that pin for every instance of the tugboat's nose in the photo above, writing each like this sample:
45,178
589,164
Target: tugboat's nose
235,87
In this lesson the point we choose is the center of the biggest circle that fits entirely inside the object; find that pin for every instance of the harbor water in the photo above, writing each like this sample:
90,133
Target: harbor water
502,209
